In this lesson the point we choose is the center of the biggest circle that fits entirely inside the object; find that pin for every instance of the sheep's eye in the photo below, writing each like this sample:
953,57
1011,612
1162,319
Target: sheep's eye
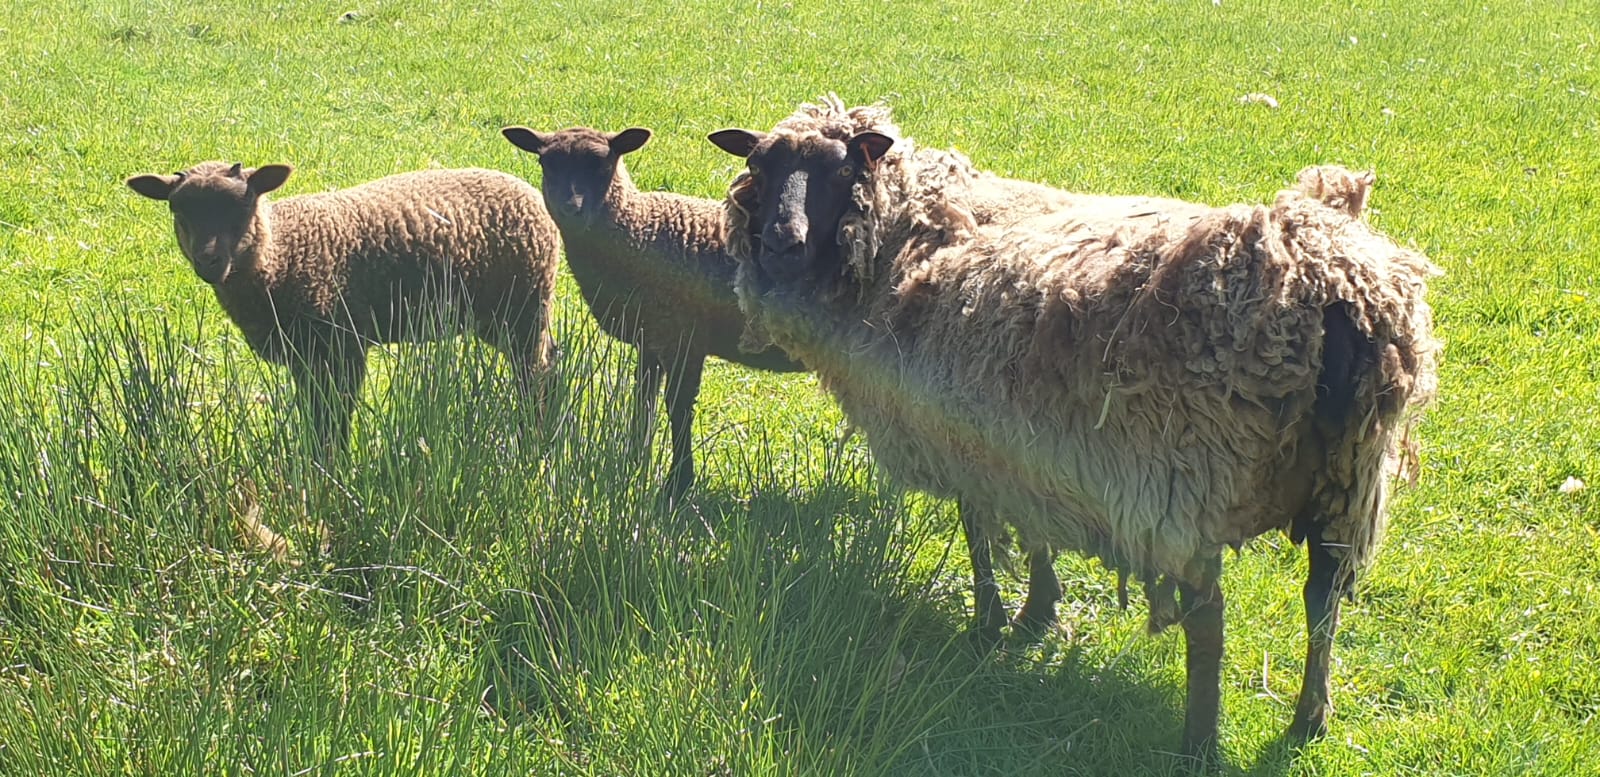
847,171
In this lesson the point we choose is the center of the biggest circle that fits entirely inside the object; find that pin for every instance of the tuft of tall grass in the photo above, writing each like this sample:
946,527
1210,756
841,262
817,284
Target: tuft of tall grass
476,586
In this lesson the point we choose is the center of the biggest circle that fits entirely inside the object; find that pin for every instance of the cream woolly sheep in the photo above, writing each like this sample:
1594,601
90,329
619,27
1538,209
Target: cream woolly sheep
654,270
986,199
1146,386
312,281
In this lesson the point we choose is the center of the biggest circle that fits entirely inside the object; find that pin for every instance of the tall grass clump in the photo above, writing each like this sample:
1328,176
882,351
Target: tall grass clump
187,585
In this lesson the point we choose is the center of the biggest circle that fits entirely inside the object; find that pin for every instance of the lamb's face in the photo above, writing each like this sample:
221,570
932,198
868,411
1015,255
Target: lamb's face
798,188
577,166
213,208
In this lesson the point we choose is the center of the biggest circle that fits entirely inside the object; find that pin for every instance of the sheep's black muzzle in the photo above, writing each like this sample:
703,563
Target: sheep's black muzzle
783,266
212,269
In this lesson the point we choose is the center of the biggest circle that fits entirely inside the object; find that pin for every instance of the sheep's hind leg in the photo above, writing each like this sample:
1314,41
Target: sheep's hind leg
683,388
1038,614
991,611
526,343
1325,587
1202,631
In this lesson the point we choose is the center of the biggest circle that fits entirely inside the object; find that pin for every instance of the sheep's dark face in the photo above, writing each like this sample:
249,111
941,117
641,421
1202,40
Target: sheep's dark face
799,188
578,166
213,210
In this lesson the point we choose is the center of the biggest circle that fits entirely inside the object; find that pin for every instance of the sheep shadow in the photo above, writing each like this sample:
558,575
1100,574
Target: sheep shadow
849,643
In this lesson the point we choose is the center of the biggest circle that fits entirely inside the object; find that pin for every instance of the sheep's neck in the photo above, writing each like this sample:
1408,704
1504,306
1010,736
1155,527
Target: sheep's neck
247,294
653,243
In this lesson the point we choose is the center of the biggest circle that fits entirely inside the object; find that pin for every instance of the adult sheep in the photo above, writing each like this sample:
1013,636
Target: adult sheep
654,270
313,280
1147,386
977,198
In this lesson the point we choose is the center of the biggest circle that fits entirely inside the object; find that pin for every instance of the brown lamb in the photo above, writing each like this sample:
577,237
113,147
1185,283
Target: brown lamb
653,268
1145,385
313,280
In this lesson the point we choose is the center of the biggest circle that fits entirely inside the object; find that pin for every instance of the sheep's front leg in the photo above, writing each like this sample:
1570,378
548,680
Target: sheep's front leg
1038,614
683,388
1202,631
1325,587
533,362
991,611
646,390
328,382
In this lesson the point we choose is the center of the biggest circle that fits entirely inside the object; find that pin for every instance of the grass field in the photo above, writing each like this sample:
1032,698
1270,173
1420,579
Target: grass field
493,602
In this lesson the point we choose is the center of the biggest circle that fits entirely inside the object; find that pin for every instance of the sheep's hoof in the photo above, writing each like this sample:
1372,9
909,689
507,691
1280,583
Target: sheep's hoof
671,497
676,489
1309,725
984,639
1031,626
1201,756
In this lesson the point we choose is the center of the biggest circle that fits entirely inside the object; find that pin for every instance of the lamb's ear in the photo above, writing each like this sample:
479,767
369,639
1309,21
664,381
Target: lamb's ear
526,139
156,187
267,178
629,140
870,146
738,142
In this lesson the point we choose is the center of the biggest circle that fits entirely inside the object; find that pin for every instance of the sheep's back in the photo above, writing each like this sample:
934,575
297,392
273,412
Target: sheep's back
376,250
1130,387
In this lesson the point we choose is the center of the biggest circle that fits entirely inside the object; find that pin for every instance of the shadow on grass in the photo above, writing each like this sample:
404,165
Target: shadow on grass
1278,756
827,648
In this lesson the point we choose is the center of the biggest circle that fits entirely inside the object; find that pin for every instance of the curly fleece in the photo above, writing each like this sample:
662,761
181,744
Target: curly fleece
1131,378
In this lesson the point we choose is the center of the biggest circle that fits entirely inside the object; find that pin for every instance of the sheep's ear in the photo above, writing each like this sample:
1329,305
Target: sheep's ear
156,187
738,142
871,146
526,139
629,140
266,178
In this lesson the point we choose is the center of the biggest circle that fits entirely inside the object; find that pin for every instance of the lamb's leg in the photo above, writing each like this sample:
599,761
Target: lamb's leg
646,393
1325,587
531,351
683,388
534,377
1038,614
991,611
328,382
1202,631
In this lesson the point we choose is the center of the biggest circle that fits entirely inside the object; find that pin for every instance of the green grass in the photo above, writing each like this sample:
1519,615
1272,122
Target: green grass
501,599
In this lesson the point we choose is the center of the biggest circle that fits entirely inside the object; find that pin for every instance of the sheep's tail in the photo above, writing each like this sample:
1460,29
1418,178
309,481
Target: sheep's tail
1367,392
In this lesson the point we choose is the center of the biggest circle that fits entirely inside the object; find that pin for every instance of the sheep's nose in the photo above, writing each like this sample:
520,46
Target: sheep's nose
783,237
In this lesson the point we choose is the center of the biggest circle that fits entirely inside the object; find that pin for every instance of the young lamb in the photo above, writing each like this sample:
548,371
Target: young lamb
654,270
313,280
1147,386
